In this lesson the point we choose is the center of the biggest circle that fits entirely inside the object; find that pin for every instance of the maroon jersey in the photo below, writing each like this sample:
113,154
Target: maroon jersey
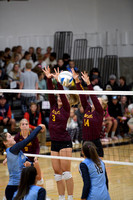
32,147
92,121
58,117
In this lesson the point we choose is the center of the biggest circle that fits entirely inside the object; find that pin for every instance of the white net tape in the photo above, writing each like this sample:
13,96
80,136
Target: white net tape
67,92
77,159
74,159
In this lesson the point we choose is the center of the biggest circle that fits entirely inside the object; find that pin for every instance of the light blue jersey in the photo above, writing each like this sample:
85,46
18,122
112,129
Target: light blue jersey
33,193
15,166
98,189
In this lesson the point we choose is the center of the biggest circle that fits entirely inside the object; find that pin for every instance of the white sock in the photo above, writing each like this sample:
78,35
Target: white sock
61,197
113,134
70,197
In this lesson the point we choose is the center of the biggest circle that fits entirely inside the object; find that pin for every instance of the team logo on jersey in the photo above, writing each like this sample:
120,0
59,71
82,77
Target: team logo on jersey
88,116
56,112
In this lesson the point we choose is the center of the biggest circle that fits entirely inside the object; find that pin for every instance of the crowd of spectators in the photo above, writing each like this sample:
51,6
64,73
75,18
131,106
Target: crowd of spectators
20,70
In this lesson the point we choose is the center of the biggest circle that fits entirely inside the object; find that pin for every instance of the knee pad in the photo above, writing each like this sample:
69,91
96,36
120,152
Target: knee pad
66,175
58,177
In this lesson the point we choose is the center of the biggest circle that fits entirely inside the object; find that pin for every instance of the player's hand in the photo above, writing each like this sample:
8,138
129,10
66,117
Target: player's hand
75,76
43,127
35,160
43,130
56,74
46,70
27,164
85,77
5,161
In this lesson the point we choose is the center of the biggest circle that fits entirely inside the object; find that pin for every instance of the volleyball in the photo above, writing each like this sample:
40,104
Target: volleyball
130,107
65,78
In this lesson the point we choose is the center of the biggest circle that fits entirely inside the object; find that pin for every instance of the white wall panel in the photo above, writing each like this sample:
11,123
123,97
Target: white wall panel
34,22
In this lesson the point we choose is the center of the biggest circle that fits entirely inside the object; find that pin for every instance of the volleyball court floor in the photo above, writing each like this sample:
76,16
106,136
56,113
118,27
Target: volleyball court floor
120,176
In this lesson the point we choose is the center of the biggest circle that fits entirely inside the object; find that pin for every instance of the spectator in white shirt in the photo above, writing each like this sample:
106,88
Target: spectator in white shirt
14,75
32,53
19,51
15,60
26,59
51,61
40,62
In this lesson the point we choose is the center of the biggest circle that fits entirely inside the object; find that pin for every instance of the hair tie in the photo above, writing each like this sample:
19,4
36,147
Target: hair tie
88,146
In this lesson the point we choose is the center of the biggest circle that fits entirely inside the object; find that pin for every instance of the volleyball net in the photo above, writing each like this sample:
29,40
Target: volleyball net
114,150
118,155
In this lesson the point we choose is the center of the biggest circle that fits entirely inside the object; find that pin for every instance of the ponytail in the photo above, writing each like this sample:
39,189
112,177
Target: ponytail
89,150
2,138
28,177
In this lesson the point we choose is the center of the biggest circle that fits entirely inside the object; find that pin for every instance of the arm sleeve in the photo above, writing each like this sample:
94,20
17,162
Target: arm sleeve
106,179
9,113
41,194
83,97
20,145
63,97
52,99
95,101
86,180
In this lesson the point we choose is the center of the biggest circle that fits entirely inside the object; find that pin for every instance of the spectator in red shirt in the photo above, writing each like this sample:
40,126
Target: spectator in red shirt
34,118
6,114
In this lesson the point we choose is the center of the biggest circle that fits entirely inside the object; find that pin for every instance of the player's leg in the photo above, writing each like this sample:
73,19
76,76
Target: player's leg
66,168
114,127
58,175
